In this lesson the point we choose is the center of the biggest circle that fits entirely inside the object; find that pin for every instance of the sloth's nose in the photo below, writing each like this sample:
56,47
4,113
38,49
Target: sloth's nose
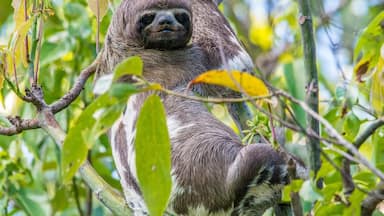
166,19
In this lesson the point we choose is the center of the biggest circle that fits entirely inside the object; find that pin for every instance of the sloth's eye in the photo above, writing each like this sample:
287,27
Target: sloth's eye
182,18
147,19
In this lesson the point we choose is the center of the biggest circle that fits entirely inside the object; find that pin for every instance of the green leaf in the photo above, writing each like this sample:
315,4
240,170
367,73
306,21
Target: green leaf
94,121
351,126
84,133
153,155
365,180
341,92
130,66
122,90
308,192
378,147
4,122
5,10
102,84
296,87
52,51
30,205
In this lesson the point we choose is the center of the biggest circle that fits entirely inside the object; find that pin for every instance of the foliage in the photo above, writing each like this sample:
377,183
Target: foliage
154,160
38,178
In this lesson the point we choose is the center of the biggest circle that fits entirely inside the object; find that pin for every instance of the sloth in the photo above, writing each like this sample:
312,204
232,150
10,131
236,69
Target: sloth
213,173
222,50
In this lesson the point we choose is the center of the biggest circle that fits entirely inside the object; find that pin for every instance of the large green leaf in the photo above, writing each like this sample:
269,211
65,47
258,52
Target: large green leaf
153,155
80,139
96,119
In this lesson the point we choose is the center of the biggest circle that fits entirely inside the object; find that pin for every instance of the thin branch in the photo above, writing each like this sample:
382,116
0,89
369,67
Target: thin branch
56,107
297,208
72,94
19,126
348,184
362,137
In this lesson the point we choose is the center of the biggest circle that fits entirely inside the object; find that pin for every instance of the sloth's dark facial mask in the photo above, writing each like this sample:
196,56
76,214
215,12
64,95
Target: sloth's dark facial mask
165,29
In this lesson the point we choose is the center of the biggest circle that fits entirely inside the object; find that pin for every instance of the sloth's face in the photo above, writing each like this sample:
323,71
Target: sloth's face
164,29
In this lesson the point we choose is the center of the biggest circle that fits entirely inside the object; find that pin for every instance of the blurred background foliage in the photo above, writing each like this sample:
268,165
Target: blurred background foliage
29,163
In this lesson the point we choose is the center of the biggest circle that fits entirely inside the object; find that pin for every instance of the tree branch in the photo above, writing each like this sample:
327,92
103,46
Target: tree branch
368,132
34,96
19,125
69,97
312,100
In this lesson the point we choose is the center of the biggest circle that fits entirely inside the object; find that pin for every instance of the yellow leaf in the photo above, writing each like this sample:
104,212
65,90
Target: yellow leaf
98,7
18,45
2,68
261,34
377,89
364,68
235,80
18,15
8,63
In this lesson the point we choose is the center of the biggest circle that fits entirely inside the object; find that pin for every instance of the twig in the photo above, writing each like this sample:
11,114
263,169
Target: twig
56,107
348,184
297,209
19,126
70,96
362,137
218,100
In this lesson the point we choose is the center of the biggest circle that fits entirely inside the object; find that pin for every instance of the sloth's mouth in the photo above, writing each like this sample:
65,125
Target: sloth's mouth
166,30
